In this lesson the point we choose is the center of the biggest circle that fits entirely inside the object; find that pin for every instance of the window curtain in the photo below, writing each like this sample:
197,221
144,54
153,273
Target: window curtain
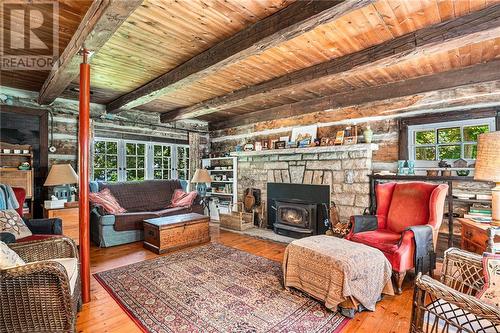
194,153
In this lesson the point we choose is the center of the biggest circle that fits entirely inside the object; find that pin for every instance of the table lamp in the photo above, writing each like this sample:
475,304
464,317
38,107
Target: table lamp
60,177
488,168
201,177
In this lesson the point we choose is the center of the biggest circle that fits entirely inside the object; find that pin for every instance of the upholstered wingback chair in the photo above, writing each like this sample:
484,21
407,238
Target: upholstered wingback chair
400,205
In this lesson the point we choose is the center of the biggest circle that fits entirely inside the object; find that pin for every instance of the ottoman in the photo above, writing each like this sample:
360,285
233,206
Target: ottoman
337,272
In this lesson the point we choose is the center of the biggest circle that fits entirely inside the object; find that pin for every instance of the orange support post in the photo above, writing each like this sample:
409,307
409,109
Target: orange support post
84,152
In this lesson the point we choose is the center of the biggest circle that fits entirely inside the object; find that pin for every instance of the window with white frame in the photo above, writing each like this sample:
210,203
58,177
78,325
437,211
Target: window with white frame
127,160
446,141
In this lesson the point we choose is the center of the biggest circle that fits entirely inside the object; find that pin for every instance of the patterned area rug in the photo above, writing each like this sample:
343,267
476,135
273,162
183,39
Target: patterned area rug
214,288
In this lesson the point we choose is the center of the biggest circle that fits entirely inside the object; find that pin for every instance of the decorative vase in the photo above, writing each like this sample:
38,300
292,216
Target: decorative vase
401,167
368,134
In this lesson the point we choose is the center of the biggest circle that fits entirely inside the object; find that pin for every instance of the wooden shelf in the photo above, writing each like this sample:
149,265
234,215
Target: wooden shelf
12,154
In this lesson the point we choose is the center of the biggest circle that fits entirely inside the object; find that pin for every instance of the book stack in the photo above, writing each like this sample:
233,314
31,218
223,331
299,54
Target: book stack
479,213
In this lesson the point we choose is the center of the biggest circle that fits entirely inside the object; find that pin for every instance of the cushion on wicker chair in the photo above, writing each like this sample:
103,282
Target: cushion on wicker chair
459,316
11,222
491,270
71,267
9,258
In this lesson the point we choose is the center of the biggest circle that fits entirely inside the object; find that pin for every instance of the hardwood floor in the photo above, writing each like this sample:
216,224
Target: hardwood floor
103,314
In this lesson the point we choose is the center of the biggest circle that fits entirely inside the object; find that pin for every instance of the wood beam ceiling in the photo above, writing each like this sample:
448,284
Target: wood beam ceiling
100,22
453,34
294,20
454,78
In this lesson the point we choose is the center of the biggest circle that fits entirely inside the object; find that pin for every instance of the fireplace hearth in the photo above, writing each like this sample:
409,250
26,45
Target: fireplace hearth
297,210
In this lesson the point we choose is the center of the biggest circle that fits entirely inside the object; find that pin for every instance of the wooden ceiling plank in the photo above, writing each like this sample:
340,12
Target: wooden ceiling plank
99,23
452,34
292,21
473,74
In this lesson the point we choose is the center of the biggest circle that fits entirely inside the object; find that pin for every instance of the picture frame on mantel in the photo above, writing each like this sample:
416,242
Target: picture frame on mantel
304,132
280,145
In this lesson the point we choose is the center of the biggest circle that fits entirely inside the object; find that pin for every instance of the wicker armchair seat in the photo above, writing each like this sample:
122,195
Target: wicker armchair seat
43,295
451,313
450,305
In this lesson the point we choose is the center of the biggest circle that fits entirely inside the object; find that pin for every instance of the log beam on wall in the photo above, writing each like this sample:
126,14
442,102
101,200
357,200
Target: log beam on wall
294,20
463,76
100,22
449,35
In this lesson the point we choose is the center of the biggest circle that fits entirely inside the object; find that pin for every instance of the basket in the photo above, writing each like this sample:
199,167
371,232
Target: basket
237,220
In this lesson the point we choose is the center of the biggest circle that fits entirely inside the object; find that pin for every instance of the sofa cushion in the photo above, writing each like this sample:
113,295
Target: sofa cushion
11,222
181,198
409,205
132,220
143,196
173,211
491,269
9,258
107,200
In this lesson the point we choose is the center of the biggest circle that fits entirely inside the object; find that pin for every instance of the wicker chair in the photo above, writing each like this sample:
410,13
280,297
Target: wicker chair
37,297
450,305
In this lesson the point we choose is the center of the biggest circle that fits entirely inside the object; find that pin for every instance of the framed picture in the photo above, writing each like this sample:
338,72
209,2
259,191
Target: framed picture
258,146
339,138
280,145
304,143
265,144
272,144
304,132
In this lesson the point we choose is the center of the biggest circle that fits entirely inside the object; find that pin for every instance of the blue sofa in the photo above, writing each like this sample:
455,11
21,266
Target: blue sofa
142,200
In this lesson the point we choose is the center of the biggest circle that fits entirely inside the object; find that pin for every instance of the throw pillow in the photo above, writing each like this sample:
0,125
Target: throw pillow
182,199
491,270
11,222
107,200
9,258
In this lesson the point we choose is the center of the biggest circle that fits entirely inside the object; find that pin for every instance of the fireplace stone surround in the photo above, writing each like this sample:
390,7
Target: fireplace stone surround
344,168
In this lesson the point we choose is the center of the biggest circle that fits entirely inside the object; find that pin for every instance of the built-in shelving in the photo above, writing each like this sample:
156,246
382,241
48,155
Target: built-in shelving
230,197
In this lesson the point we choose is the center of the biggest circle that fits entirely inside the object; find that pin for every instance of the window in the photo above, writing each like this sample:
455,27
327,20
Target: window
447,141
182,162
125,160
106,161
162,164
135,154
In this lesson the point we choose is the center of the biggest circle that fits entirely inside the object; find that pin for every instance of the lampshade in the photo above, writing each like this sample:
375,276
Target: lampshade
61,174
201,176
488,157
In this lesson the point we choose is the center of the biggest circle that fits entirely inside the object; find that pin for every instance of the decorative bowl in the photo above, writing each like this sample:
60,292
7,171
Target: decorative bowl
463,173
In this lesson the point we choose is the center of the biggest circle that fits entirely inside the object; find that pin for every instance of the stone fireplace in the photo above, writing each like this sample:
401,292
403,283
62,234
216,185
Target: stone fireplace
343,170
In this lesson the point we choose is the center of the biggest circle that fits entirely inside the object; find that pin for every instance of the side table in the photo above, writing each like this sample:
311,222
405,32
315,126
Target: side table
70,221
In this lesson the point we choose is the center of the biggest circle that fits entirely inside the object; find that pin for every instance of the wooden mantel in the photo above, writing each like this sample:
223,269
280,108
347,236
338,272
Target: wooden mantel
309,150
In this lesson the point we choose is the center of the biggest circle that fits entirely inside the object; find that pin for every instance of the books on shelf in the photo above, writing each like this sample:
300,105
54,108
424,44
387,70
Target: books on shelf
483,196
479,213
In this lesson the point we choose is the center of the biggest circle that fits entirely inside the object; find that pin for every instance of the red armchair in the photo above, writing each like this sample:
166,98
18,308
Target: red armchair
400,205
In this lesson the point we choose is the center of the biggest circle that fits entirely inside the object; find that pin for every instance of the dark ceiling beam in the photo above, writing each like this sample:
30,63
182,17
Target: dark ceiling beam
100,22
469,75
288,23
453,34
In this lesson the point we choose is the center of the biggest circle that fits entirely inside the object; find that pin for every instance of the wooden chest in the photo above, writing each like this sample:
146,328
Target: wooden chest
475,236
174,232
